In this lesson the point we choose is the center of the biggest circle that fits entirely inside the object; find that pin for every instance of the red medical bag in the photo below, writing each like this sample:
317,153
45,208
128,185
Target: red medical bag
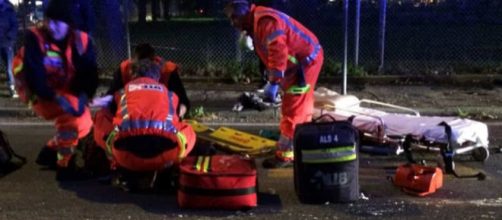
418,180
218,181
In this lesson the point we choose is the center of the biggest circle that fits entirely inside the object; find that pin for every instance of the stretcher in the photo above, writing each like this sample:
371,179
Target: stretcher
233,141
403,129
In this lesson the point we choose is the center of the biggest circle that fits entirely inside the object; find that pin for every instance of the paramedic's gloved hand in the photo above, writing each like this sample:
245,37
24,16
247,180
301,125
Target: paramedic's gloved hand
271,91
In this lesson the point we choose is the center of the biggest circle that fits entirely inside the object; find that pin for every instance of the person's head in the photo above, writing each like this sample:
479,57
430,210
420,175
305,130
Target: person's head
59,18
236,11
146,68
143,51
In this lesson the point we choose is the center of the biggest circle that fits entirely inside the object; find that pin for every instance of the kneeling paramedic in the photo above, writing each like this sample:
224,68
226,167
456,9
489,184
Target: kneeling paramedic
148,134
293,59
56,73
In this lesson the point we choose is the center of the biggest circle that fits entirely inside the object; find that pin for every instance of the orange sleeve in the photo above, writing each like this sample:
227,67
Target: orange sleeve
272,36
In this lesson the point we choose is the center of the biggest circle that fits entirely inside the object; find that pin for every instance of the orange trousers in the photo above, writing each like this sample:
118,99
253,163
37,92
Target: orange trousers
69,128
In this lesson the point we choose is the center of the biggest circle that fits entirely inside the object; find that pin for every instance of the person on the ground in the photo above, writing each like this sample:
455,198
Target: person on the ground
8,33
293,58
148,134
59,69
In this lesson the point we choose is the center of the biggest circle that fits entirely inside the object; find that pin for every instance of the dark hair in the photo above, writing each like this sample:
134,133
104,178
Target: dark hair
146,68
143,51
61,10
240,7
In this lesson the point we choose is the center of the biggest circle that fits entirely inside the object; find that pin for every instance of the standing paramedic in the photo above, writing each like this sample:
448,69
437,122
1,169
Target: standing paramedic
58,73
293,59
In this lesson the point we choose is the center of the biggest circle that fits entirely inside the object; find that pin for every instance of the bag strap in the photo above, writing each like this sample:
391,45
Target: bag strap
11,151
349,119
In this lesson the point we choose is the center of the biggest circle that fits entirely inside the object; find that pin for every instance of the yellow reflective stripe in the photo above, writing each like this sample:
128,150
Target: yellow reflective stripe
292,59
182,144
198,163
298,89
123,104
18,68
330,155
287,154
109,143
205,167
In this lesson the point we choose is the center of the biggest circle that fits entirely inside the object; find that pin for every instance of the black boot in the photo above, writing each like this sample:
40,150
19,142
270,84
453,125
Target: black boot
72,172
47,157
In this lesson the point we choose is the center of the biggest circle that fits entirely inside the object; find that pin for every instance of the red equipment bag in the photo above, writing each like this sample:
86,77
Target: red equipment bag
418,180
218,181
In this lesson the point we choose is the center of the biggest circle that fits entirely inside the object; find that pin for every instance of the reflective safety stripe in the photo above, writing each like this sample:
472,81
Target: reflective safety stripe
64,152
285,155
182,142
202,163
145,124
18,68
292,59
123,105
66,135
109,143
330,155
298,89
271,37
51,53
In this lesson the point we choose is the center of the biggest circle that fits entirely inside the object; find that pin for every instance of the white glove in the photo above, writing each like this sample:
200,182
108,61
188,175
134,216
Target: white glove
101,101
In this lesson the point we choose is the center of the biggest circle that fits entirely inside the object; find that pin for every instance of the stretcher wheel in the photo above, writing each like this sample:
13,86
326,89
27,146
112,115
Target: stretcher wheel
480,153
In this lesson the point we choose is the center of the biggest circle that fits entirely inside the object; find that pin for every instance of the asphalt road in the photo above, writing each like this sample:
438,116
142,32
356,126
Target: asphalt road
33,193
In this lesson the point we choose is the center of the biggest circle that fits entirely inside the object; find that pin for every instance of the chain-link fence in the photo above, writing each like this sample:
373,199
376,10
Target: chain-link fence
421,36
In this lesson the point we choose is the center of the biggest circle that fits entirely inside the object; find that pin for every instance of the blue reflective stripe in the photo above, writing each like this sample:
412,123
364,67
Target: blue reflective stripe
271,37
171,107
67,135
145,124
285,18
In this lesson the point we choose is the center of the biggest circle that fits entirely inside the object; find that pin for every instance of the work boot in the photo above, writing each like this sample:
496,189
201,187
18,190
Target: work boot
134,182
47,157
274,162
72,172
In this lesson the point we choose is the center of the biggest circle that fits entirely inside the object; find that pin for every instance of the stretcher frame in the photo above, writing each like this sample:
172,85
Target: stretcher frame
406,143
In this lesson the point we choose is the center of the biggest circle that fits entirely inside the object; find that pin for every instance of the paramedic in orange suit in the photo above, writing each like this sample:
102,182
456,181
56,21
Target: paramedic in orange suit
169,78
293,58
148,133
60,71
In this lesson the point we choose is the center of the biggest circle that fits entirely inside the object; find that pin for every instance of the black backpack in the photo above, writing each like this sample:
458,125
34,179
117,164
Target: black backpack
7,155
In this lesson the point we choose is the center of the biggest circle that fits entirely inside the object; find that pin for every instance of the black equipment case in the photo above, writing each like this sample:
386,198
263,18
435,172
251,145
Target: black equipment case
326,165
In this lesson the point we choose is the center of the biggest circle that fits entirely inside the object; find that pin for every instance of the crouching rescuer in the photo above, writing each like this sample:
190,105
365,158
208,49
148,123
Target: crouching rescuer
55,73
148,134
293,58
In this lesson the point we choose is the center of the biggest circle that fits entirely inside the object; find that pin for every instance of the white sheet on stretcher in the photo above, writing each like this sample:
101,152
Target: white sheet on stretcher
379,123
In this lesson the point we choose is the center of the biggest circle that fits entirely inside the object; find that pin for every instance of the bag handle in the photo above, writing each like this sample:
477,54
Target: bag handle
10,150
349,119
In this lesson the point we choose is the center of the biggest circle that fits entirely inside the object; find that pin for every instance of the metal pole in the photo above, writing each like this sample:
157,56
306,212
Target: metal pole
356,37
128,34
381,35
345,43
